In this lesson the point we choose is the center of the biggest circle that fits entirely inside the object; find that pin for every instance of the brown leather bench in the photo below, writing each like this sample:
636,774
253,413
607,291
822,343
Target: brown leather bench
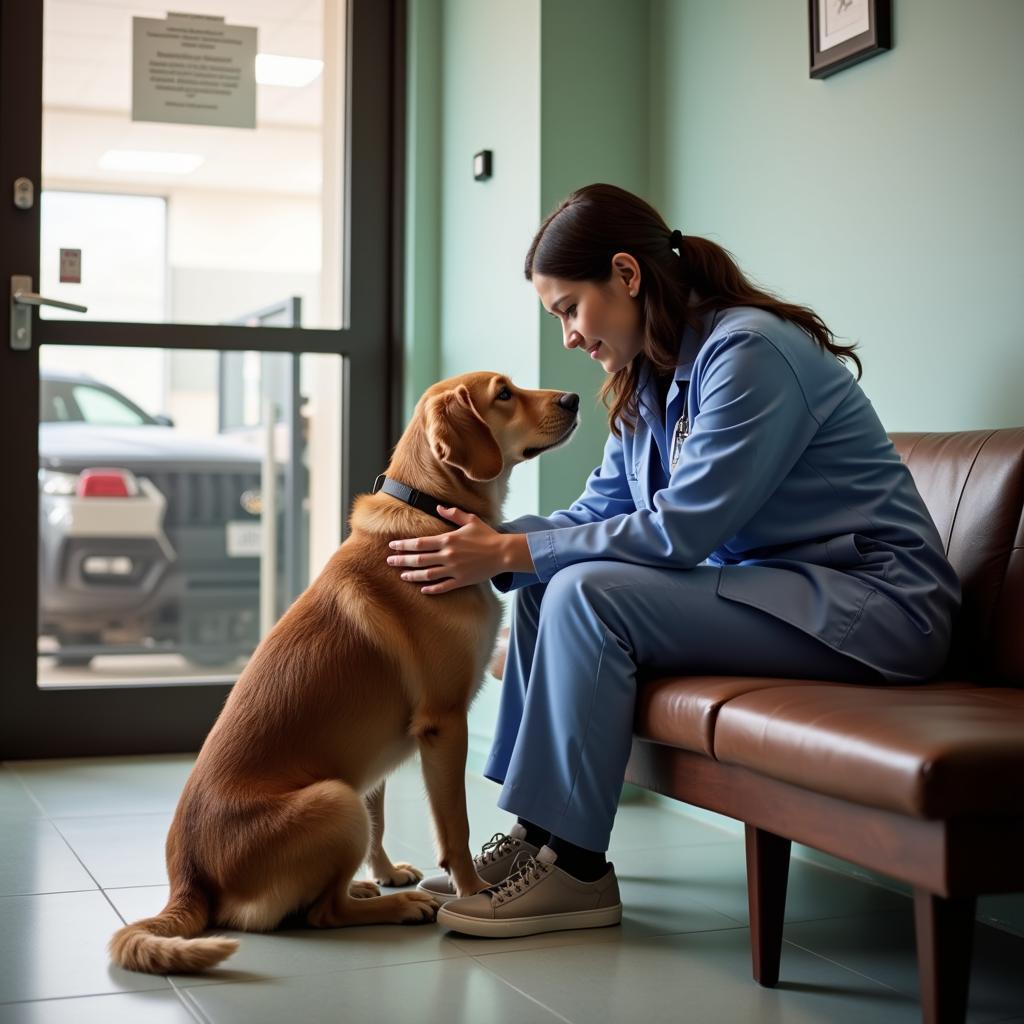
923,783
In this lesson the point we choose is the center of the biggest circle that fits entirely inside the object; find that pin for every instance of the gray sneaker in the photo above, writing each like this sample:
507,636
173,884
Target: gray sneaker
537,897
493,863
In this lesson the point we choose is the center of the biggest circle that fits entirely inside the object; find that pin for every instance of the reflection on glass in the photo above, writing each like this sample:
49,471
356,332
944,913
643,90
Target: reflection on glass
154,557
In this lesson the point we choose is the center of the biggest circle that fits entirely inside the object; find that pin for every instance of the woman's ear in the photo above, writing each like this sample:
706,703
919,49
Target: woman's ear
459,436
627,270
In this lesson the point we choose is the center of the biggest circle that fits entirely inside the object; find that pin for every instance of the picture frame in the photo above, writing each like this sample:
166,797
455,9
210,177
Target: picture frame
845,32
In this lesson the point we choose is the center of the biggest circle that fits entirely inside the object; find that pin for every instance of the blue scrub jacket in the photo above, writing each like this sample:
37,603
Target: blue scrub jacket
787,481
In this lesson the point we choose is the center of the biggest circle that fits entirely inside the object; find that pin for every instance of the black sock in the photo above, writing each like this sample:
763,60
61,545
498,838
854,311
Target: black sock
535,835
585,865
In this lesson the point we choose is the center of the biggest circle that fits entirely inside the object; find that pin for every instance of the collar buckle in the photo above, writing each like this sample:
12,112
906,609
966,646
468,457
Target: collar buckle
403,492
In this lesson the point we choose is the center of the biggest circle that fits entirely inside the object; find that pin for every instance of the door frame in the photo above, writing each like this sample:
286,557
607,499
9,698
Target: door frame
155,718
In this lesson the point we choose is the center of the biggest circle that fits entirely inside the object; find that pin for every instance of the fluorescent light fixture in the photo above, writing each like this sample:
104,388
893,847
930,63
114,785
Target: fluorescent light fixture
150,161
294,72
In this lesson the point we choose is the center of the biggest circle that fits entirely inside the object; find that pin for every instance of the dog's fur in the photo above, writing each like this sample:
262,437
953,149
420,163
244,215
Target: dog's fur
285,800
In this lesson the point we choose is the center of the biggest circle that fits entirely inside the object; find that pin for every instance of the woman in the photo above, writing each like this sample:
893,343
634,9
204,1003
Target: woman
750,517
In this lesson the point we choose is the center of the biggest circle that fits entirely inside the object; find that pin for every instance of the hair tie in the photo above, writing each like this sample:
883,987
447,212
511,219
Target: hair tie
676,241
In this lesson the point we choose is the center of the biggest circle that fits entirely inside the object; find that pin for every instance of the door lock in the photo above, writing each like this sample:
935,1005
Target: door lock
24,193
22,301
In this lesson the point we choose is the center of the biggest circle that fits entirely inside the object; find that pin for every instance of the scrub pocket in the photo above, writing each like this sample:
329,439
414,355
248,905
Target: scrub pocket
854,551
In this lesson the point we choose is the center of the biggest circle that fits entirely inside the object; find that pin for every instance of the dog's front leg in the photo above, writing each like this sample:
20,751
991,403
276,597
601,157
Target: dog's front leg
443,742
383,871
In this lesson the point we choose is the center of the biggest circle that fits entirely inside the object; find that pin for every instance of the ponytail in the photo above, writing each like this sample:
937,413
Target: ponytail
577,241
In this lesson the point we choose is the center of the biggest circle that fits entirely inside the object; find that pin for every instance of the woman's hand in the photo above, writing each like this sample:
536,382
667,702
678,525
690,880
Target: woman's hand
471,554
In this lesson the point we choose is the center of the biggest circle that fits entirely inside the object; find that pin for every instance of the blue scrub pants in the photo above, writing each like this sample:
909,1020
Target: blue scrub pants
565,722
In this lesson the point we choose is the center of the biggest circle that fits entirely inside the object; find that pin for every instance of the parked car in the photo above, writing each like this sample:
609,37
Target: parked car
149,538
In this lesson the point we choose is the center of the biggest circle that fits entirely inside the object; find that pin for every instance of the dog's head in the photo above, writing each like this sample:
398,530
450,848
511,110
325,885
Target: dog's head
482,424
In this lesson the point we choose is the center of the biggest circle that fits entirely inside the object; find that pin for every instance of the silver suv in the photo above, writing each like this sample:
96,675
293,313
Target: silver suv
146,534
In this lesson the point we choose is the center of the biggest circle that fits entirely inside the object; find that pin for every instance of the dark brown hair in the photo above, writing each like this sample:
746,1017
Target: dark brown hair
577,241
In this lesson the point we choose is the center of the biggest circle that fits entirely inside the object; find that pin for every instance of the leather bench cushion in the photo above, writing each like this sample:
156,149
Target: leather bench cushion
681,711
931,751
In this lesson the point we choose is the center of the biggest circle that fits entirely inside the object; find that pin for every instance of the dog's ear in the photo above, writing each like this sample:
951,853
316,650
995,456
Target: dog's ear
459,436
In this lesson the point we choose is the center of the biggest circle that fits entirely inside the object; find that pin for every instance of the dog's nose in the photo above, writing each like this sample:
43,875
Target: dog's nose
569,401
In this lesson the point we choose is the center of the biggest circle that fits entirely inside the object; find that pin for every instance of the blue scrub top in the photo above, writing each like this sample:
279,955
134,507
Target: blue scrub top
787,481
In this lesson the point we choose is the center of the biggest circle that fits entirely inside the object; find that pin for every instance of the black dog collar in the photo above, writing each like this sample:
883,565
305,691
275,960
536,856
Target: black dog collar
424,502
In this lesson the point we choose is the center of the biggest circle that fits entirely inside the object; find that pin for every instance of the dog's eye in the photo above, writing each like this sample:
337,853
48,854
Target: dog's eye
504,395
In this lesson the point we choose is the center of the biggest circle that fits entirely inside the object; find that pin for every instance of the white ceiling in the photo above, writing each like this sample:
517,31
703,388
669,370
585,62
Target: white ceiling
87,99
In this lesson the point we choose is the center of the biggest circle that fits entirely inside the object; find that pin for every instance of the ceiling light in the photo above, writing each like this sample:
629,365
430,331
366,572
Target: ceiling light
294,72
150,161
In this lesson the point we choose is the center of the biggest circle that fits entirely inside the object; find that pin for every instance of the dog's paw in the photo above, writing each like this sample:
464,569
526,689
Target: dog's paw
402,874
417,907
363,890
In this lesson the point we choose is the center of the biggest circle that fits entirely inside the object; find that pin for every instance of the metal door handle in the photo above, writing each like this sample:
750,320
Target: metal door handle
22,297
32,299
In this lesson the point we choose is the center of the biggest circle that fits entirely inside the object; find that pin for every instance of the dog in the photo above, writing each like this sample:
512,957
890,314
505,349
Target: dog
285,800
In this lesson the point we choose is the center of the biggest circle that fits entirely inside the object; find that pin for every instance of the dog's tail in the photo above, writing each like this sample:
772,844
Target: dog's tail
167,943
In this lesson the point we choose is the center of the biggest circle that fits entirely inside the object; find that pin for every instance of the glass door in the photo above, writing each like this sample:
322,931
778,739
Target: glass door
180,195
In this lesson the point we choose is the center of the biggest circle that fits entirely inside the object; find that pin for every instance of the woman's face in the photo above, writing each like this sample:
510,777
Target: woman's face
603,320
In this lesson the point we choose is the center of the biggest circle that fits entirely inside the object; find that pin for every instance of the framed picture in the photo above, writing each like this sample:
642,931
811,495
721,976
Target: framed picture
845,32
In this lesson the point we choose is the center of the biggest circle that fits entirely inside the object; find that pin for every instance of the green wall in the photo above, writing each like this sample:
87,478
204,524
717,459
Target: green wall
421,329
506,75
886,197
594,106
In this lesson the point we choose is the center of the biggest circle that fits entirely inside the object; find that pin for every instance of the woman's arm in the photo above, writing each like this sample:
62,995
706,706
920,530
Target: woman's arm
516,555
606,494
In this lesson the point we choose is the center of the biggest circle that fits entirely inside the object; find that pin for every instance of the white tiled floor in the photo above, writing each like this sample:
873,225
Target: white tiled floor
81,850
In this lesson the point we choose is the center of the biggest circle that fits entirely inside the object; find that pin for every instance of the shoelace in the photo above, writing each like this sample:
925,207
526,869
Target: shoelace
497,846
522,877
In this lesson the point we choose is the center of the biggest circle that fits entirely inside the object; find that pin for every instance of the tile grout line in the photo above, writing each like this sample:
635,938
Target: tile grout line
191,1004
49,892
109,814
735,926
584,942
71,817
148,885
28,792
847,967
82,995
263,978
533,999
74,853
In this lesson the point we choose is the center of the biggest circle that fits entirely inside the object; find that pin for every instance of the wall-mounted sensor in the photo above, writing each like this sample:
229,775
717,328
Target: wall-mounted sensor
482,165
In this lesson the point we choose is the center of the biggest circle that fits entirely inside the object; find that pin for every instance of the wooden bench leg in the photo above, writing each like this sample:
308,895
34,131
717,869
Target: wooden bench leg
945,937
767,876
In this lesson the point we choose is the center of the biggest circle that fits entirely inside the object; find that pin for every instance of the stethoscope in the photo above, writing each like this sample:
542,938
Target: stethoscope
682,428
681,432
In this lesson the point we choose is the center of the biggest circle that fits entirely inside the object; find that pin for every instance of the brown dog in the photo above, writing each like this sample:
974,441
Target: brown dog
286,797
